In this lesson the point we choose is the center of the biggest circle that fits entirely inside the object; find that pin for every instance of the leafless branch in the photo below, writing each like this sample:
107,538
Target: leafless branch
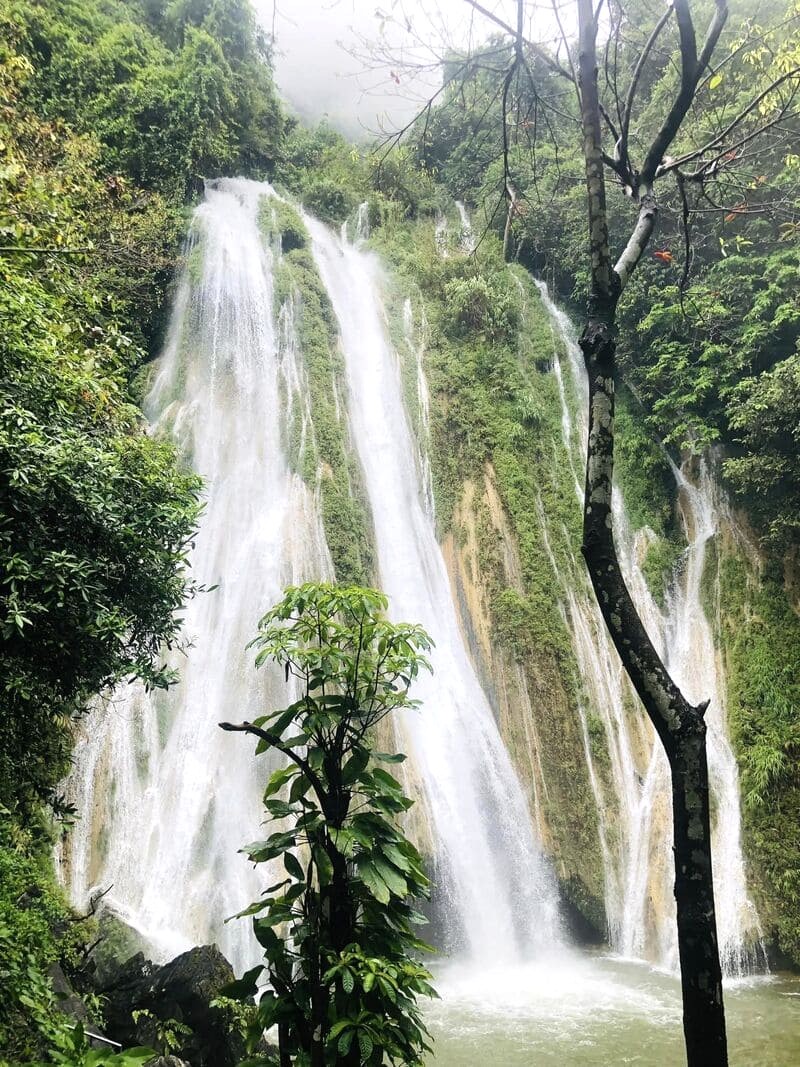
625,124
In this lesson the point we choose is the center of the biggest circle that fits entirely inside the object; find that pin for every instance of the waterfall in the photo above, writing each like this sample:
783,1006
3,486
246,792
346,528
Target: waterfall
167,798
499,892
467,237
639,872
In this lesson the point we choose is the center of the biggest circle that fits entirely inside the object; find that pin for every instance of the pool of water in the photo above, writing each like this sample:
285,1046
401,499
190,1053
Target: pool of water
595,1011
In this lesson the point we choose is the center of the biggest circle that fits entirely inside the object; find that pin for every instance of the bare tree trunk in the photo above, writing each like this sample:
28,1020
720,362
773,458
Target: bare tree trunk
701,975
680,725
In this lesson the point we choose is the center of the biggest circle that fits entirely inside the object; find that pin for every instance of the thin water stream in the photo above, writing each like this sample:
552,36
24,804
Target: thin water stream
499,889
639,873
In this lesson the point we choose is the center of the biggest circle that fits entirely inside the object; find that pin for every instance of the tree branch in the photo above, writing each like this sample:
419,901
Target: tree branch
622,145
275,742
602,275
639,239
717,139
537,50
691,69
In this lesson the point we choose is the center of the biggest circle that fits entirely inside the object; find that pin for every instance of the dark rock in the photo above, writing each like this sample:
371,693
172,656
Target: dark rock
117,942
167,1061
181,991
71,1004
584,914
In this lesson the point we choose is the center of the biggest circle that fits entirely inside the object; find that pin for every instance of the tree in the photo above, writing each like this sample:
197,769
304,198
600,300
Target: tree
615,140
343,982
96,517
679,724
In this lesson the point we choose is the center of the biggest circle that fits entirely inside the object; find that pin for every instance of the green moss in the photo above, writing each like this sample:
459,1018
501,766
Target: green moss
761,640
323,455
642,470
194,262
659,565
277,219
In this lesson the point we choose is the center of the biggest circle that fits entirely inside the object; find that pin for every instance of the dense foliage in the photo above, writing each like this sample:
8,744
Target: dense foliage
337,927
172,91
109,114
95,516
709,347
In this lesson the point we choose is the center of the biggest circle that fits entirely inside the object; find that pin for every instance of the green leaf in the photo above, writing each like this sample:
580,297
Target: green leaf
365,1044
293,866
371,878
278,779
300,786
355,766
395,881
245,987
387,780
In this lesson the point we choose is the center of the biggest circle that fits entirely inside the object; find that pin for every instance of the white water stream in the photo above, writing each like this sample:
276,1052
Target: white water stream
639,872
167,797
501,893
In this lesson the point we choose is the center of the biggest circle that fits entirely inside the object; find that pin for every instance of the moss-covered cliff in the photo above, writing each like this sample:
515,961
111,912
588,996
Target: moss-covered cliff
758,629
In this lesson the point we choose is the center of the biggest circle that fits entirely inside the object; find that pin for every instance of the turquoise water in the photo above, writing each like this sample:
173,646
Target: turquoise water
597,1012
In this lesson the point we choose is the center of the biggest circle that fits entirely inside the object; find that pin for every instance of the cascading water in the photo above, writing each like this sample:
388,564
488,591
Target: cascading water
168,797
639,871
467,238
498,887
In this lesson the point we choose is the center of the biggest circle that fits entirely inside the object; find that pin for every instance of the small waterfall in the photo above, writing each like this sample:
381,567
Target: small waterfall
362,222
639,872
467,240
440,234
500,892
694,662
167,797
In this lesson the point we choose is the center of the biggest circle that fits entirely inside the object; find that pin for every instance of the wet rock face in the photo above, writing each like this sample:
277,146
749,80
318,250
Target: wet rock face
143,998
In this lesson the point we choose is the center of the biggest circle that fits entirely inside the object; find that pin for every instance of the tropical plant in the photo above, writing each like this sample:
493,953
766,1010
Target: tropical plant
336,925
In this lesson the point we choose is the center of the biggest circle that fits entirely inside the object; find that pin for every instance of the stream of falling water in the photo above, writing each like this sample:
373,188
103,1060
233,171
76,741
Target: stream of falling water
639,872
500,894
168,797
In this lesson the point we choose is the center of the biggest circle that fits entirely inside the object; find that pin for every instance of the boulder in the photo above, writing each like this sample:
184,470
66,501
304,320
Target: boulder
117,943
142,998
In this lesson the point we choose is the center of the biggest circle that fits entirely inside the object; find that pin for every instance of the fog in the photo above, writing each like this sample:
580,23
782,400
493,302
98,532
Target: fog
334,57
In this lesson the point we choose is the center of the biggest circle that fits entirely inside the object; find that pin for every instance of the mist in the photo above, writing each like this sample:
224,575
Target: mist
332,56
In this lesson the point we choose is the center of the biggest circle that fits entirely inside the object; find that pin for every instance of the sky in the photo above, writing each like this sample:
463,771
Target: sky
323,48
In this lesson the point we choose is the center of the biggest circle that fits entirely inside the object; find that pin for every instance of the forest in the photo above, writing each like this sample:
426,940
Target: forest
458,469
